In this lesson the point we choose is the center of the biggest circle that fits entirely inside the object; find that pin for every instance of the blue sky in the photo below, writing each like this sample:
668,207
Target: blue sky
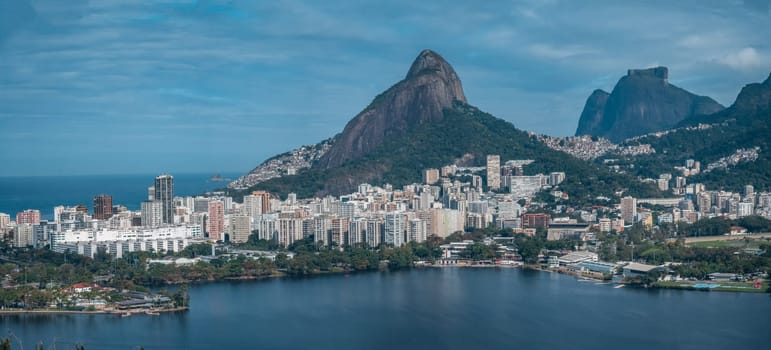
130,86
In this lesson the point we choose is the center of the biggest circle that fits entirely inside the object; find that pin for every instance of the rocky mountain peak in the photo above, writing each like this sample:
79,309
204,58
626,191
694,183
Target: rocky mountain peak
655,72
752,99
430,86
643,101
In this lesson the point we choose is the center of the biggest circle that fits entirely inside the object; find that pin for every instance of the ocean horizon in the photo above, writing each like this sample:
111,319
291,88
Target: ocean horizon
18,193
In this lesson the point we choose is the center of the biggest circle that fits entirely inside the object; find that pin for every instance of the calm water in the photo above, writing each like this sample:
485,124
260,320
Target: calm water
423,309
45,192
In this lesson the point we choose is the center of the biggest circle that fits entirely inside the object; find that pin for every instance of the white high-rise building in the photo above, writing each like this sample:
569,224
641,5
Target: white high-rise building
745,209
24,235
394,229
416,231
152,213
357,231
289,230
252,206
494,172
374,233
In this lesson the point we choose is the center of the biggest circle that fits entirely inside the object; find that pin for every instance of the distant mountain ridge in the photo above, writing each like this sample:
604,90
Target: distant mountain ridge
643,101
742,128
424,121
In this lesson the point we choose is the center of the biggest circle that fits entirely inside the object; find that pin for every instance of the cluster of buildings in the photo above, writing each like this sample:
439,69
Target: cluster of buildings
158,226
591,147
286,164
699,203
449,199
741,155
372,215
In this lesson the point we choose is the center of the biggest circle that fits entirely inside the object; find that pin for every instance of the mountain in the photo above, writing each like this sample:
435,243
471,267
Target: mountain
738,131
643,101
591,117
430,86
753,100
424,121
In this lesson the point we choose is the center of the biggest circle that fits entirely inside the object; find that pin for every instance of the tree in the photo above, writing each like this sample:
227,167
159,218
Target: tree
180,297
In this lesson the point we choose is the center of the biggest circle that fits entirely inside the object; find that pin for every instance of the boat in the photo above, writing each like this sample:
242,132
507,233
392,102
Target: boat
619,286
125,314
152,313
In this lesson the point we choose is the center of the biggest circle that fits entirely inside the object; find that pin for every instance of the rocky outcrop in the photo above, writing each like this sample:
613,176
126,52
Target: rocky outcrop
642,102
753,98
430,86
591,117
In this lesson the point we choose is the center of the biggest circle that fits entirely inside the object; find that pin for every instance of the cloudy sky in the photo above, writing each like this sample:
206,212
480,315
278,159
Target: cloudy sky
134,86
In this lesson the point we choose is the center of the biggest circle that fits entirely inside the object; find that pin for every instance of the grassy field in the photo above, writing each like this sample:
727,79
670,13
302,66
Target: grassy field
739,243
744,287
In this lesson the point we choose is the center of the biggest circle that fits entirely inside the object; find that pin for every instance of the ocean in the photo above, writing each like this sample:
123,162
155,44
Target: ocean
18,193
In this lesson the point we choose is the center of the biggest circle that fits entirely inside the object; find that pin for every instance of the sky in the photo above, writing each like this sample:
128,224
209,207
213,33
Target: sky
135,86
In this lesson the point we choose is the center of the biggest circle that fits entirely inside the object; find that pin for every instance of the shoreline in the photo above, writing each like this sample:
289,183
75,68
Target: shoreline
595,277
7,312
280,274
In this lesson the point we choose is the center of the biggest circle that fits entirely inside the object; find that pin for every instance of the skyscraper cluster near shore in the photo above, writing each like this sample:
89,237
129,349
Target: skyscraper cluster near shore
449,199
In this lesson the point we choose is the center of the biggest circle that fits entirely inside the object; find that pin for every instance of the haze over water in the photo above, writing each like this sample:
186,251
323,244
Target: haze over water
442,308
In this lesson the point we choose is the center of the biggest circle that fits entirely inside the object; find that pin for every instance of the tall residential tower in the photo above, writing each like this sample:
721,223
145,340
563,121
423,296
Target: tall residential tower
164,193
102,207
494,172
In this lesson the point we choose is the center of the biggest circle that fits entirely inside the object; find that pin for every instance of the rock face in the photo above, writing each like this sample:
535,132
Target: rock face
753,98
430,86
591,117
643,101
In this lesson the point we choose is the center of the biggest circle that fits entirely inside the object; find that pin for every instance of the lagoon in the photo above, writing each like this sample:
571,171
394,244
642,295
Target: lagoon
429,308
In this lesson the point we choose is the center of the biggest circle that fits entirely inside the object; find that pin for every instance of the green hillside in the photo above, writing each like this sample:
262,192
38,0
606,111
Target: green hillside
463,130
742,126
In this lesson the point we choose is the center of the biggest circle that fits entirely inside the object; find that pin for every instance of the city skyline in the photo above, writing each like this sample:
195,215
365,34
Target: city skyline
293,74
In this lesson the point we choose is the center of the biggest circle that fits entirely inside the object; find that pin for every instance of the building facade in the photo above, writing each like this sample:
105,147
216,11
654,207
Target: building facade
164,193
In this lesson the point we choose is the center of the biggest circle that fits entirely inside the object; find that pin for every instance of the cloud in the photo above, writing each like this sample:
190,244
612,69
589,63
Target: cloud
744,59
255,73
553,52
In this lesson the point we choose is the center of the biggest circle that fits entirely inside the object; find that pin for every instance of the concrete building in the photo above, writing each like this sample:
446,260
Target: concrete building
164,193
567,231
745,209
430,176
29,216
394,229
264,198
216,221
445,222
102,207
536,220
5,220
357,231
629,209
605,225
494,172
152,213
252,206
240,228
23,235
374,234
416,230
556,178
